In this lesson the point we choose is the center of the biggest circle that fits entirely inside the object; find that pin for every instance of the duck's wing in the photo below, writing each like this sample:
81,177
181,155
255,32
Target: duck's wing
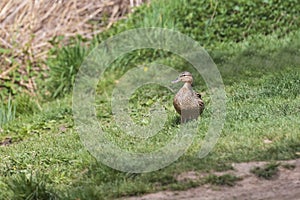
177,105
200,101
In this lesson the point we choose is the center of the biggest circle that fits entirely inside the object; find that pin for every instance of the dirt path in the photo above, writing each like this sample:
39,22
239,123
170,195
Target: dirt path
286,186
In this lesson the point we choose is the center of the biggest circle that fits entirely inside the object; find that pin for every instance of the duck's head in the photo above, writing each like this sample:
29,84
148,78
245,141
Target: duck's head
185,77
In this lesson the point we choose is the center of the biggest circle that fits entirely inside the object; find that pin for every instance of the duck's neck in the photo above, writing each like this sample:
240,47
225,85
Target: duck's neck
188,85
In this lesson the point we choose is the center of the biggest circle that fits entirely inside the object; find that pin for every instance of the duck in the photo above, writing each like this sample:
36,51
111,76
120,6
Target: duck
187,102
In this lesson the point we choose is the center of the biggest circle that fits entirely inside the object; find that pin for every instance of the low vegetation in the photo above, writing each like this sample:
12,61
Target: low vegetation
226,179
288,166
268,171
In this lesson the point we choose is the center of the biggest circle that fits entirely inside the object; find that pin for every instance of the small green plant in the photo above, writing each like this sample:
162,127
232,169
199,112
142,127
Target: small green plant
226,179
288,166
184,185
267,172
7,112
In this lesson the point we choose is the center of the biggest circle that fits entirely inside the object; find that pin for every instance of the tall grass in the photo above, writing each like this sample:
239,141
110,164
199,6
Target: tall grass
64,64
30,187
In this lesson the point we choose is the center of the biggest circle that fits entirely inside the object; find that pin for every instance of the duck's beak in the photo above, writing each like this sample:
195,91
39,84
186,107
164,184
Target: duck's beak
176,80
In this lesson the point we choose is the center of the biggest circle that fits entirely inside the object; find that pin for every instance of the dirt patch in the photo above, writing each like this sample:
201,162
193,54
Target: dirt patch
285,186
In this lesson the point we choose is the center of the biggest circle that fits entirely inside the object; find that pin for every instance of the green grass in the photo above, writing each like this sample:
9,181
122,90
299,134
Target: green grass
260,105
261,75
205,21
208,21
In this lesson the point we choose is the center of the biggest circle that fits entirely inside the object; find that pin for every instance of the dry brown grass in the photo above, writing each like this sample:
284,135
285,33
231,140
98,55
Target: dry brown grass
26,26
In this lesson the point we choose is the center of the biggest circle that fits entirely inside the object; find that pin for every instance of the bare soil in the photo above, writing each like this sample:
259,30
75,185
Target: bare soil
284,186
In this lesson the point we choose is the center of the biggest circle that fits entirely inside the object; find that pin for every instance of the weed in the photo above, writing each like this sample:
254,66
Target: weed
184,185
7,112
267,172
288,166
226,179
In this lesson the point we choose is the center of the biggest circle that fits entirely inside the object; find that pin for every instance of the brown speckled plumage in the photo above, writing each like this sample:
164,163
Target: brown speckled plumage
187,102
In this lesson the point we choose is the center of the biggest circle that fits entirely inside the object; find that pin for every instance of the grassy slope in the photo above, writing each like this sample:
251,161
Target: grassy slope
261,75
261,105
